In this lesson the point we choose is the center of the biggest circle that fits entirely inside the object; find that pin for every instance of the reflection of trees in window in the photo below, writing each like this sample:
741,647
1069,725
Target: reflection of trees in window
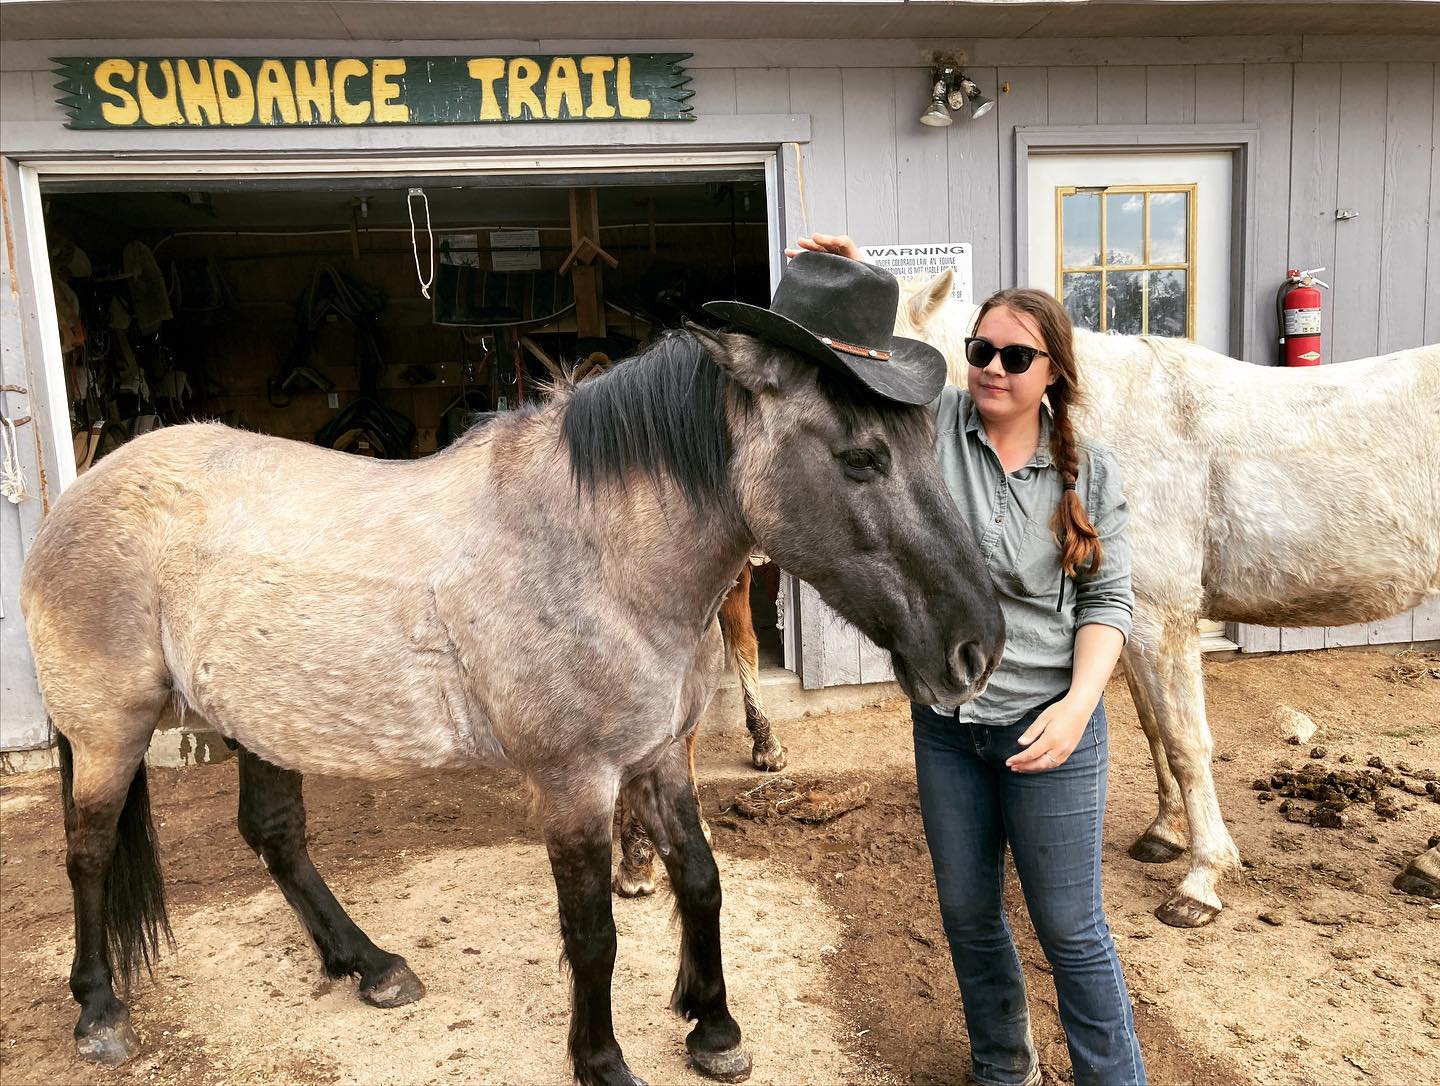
1142,282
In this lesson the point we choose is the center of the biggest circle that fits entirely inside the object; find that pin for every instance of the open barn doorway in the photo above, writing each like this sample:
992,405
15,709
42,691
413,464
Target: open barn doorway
295,307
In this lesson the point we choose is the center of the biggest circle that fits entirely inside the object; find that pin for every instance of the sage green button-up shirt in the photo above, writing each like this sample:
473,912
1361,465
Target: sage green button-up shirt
1011,515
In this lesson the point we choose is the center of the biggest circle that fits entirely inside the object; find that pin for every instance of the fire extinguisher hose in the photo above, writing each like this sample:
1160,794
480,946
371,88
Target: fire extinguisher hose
1280,319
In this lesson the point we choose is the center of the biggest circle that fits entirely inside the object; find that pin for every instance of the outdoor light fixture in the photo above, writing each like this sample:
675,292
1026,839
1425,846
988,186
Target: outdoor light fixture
951,91
979,104
936,115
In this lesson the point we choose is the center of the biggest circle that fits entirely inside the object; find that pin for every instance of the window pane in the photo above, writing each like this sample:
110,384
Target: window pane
1169,212
1123,309
1082,299
1080,212
1169,300
1125,228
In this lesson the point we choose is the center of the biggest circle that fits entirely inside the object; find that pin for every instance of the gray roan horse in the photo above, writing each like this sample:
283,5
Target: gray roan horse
541,595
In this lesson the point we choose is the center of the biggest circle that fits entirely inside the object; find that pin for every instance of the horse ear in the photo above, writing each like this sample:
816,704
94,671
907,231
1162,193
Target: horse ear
744,358
924,303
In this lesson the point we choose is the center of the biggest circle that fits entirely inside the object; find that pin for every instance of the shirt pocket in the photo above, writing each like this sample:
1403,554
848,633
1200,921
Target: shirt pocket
1037,565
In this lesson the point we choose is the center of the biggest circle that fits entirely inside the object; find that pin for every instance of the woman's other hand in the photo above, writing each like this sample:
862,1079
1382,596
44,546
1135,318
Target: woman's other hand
1052,738
840,244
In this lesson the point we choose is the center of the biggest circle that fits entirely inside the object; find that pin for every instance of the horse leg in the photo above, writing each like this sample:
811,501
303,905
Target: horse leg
1164,839
664,800
578,820
635,877
1168,667
272,821
691,741
738,626
1422,877
114,871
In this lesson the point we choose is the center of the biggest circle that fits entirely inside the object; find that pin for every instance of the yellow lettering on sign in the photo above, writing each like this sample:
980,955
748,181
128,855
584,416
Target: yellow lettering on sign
520,90
385,90
272,91
630,107
237,105
312,91
596,67
162,109
197,92
487,71
346,111
562,90
128,111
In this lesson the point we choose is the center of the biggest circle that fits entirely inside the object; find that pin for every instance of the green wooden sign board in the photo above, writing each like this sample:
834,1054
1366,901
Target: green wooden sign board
237,92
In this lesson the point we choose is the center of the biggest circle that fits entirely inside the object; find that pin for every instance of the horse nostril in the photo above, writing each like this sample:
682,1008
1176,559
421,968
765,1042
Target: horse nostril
968,662
978,660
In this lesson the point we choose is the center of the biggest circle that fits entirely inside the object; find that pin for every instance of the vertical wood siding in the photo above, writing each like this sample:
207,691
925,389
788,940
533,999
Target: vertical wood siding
1332,134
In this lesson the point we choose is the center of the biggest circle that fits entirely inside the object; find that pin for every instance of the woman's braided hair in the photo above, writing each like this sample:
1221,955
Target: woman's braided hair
1080,547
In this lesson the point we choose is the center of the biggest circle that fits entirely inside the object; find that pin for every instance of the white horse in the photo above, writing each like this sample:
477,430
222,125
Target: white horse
1281,497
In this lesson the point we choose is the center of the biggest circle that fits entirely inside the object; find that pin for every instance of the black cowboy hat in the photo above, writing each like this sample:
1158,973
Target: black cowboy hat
841,311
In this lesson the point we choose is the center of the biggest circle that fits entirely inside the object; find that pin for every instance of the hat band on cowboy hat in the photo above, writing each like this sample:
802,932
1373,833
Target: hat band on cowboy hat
841,312
850,348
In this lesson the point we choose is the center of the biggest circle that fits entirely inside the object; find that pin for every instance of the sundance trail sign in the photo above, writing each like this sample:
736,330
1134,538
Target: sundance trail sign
231,92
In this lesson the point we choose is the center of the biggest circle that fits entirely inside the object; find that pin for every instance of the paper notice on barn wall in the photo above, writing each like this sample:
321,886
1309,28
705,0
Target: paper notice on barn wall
926,262
515,250
460,250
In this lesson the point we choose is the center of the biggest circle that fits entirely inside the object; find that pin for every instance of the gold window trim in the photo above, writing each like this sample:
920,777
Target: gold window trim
1104,267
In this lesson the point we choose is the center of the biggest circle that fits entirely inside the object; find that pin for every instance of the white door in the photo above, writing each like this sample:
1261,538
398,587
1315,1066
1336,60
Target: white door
1135,243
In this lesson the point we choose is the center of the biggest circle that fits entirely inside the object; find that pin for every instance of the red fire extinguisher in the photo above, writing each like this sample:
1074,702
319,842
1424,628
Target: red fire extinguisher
1298,312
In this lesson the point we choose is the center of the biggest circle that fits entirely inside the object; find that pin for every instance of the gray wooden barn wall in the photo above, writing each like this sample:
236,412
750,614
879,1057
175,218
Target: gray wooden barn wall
1353,133
1361,136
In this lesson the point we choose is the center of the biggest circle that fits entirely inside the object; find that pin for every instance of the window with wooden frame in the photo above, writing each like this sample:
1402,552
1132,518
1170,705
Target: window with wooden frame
1125,258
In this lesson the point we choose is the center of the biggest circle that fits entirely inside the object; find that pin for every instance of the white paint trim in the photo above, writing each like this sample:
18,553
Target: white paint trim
296,167
708,134
40,329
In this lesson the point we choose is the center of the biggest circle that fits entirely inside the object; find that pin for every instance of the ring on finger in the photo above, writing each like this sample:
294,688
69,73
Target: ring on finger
1052,758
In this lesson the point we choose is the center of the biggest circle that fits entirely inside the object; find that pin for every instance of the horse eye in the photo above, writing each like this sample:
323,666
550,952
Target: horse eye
859,459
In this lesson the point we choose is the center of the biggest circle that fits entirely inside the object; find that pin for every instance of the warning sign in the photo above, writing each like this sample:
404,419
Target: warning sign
926,262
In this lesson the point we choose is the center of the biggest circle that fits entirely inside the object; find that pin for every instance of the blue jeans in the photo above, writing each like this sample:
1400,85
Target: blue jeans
1053,820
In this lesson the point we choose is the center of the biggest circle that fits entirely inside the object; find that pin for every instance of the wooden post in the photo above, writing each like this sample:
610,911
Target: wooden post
589,292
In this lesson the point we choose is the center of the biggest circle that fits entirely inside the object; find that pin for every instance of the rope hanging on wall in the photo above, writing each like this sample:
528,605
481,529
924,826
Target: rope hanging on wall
425,282
12,478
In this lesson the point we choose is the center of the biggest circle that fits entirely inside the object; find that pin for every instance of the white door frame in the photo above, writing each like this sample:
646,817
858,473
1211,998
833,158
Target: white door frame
39,323
1239,139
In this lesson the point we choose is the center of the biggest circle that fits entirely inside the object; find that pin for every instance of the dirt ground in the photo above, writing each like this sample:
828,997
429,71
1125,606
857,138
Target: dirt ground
836,964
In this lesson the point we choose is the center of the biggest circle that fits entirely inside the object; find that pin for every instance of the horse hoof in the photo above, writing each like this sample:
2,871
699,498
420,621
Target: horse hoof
1182,911
627,885
769,758
1420,883
729,1065
396,987
109,1046
1149,849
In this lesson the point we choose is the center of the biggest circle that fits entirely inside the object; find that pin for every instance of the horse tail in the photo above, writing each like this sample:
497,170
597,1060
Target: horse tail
135,917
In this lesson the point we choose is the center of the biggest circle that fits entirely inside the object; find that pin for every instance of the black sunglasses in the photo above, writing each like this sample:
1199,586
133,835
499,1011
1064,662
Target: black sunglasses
1016,358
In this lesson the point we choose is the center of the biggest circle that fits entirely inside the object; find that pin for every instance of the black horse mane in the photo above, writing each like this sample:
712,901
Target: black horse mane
664,411
667,410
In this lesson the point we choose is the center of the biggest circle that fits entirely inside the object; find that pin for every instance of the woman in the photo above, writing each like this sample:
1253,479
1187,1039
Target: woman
1025,763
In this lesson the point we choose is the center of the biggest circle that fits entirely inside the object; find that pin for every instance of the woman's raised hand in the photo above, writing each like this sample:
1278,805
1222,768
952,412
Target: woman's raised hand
840,244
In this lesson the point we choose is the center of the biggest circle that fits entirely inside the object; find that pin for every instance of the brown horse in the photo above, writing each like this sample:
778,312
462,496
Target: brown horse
540,595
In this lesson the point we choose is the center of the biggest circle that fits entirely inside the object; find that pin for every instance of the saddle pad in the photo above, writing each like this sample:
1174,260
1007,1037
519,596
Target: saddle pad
479,298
